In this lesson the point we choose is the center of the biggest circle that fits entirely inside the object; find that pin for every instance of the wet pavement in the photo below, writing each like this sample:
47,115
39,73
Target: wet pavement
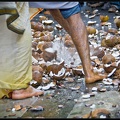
64,102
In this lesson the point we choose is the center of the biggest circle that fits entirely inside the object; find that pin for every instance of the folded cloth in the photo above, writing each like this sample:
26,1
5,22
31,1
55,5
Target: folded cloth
16,15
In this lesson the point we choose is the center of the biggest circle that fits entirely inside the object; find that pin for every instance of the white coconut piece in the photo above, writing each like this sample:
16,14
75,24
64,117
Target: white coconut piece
116,53
95,11
58,26
97,25
113,69
117,16
91,35
111,72
107,65
98,70
93,57
34,60
108,36
50,50
39,88
33,82
92,16
86,15
114,49
47,22
94,89
92,106
47,86
85,96
60,73
118,32
107,81
13,109
97,31
41,62
103,116
91,22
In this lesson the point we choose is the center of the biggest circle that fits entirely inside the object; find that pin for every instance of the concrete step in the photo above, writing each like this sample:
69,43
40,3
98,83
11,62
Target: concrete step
109,100
7,107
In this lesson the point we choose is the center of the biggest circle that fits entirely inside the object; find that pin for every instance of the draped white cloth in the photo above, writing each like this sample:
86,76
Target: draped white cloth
15,47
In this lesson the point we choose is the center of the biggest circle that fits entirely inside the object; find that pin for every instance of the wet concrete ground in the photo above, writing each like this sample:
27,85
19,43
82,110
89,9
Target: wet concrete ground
63,102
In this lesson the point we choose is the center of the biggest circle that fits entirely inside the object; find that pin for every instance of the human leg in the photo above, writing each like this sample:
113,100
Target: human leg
78,32
80,39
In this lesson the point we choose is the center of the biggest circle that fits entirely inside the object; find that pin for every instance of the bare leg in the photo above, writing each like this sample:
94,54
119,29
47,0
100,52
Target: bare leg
26,93
78,32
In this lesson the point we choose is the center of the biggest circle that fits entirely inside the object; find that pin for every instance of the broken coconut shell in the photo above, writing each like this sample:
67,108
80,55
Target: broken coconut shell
69,43
117,22
96,113
111,40
43,45
99,52
109,67
49,54
56,70
37,26
112,30
91,30
108,58
104,18
37,73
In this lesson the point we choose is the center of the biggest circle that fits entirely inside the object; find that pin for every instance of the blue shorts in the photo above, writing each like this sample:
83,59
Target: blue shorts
70,11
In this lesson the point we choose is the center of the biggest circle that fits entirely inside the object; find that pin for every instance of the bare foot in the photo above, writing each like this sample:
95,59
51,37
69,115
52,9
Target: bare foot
26,93
95,77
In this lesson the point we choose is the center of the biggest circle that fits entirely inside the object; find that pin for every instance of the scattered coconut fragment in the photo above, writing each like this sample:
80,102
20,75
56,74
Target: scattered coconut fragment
60,106
12,114
75,88
104,18
85,96
100,102
102,89
92,16
91,22
114,105
107,81
69,79
8,109
13,109
18,107
59,27
47,22
48,86
97,113
92,106
88,105
95,11
37,108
